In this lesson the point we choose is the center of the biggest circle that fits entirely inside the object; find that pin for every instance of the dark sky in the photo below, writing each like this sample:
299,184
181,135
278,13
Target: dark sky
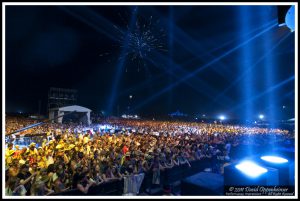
78,47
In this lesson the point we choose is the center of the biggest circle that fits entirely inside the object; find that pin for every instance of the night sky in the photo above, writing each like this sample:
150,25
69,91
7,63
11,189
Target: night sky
79,47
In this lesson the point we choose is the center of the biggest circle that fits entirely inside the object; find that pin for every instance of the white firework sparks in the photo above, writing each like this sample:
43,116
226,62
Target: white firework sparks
141,39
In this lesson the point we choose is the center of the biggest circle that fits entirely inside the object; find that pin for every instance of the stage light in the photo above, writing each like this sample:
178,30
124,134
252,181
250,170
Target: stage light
281,14
251,169
290,18
222,117
261,116
274,159
286,16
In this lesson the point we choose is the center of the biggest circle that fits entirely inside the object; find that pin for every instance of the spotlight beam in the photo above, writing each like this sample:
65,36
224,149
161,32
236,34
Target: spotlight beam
194,47
223,55
228,43
89,12
204,90
194,83
120,64
88,17
170,47
234,83
142,85
288,95
269,90
247,90
192,74
269,69
240,37
147,81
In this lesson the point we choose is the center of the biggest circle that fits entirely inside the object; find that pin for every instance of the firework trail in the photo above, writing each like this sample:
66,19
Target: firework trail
146,36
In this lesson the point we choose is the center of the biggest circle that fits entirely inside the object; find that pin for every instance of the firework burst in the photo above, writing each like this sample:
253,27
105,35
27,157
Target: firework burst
142,39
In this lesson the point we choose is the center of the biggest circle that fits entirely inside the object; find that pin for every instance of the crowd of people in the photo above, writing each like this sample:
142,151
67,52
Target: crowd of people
78,157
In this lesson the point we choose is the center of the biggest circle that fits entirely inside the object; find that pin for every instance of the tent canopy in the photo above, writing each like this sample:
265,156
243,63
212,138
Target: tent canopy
75,108
60,112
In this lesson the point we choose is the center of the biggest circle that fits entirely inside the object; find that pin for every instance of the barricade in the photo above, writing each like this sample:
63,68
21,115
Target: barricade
133,183
113,187
167,177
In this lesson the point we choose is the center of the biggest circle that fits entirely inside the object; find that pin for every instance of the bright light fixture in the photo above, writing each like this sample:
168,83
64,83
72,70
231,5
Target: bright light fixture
251,169
274,159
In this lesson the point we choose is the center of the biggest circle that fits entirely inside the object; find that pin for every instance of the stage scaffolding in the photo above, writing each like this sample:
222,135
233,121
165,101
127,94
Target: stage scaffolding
60,97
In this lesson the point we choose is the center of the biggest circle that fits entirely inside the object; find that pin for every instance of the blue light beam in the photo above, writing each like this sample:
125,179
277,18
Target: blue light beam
192,74
121,63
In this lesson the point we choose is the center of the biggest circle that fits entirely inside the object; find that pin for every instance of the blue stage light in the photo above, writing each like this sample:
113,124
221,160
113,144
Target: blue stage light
251,169
222,117
274,159
261,116
290,18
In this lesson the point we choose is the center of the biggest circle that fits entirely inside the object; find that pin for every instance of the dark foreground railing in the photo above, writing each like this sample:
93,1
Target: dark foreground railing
167,177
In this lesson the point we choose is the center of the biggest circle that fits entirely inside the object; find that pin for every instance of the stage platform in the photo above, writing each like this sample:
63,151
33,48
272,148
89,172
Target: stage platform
203,183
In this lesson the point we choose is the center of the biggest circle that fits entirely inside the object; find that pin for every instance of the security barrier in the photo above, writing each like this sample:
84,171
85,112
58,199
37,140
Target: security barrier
167,177
113,187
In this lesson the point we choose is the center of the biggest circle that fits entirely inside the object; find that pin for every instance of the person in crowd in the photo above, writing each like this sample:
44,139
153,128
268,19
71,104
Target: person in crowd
23,184
83,183
183,160
228,147
58,184
156,169
108,174
23,175
96,175
9,153
9,184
